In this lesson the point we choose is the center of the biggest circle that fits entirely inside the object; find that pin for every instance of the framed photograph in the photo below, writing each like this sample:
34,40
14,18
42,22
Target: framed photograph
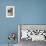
33,32
10,11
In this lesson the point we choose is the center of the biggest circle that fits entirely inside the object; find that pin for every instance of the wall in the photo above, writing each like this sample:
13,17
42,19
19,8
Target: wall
31,11
7,25
27,12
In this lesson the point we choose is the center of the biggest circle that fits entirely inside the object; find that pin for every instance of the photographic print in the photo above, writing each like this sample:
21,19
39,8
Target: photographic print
28,34
10,11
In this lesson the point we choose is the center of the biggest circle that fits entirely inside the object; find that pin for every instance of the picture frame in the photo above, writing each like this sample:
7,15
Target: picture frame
36,32
10,11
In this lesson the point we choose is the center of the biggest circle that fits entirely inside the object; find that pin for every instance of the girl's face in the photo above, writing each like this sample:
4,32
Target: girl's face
10,11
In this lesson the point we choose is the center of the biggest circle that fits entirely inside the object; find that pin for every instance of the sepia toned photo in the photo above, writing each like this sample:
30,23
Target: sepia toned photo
10,11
